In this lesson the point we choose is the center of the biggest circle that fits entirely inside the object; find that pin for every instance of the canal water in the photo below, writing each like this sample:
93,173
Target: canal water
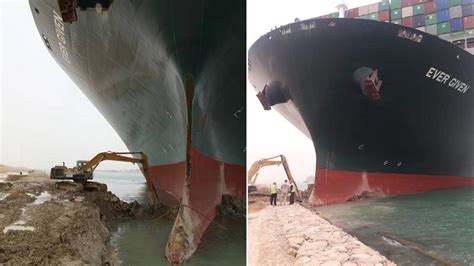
143,242
440,224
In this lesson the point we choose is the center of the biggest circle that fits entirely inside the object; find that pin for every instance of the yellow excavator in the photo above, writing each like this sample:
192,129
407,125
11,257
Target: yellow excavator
256,166
84,170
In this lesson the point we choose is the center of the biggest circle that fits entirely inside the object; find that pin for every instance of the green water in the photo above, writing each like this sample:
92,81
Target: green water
143,242
441,222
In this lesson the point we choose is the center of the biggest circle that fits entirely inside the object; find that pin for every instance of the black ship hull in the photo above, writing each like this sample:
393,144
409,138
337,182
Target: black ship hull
415,135
169,77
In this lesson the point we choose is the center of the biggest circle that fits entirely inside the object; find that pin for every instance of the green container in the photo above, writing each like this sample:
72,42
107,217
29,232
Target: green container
455,2
374,16
396,4
443,28
384,5
459,34
334,15
396,14
397,21
419,9
431,19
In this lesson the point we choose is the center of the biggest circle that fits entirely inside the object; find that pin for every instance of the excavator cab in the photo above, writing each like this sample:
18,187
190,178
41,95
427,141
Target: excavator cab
85,174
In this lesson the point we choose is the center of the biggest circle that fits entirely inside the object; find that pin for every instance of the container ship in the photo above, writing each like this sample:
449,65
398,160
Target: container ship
384,91
169,76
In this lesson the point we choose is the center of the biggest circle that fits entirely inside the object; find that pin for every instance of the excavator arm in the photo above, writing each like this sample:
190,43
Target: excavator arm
84,169
114,156
256,166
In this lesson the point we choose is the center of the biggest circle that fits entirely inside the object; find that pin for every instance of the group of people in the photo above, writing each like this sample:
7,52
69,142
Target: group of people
285,190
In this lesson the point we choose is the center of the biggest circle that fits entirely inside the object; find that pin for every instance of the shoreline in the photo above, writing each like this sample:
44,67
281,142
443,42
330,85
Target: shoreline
294,234
41,224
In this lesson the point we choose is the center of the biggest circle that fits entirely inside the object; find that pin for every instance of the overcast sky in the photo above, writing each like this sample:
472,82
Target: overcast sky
45,119
268,133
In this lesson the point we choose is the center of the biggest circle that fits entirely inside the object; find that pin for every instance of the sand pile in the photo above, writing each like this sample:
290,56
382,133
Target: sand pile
40,224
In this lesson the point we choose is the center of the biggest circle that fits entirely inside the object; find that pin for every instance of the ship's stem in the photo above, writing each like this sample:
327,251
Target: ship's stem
181,244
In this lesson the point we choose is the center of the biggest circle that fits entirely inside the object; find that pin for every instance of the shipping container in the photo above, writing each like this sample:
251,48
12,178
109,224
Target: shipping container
352,13
363,10
431,19
458,35
363,16
384,15
384,5
418,9
396,14
397,21
467,2
445,36
442,4
416,2
374,8
423,29
418,21
443,15
468,22
396,4
407,11
408,22
456,24
455,12
468,10
374,16
432,29
334,15
444,27
406,3
430,7
454,2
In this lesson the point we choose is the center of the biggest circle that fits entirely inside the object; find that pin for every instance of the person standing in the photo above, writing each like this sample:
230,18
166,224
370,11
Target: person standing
273,194
285,189
293,192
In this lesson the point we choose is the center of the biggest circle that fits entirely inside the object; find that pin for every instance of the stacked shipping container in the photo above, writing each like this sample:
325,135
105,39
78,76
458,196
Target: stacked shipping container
437,17
432,16
449,19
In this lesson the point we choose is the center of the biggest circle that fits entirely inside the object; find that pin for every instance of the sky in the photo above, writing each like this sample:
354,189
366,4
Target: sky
268,133
45,119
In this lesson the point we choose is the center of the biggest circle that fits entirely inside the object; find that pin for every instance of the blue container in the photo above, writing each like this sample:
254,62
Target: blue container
456,24
443,15
419,21
442,4
467,2
468,10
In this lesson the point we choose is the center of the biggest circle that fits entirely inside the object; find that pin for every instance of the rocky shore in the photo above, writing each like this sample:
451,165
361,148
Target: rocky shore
43,225
295,235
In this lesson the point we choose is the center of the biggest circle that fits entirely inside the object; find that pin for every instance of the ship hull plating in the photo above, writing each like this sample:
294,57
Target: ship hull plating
132,62
418,136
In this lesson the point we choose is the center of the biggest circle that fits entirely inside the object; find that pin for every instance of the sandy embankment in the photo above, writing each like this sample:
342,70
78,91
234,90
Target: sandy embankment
295,235
40,224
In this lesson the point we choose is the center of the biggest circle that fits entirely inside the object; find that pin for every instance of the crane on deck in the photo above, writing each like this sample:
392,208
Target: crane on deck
84,170
256,166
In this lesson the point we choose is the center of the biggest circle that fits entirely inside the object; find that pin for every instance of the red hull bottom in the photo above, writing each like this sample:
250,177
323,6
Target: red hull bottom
333,186
198,197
